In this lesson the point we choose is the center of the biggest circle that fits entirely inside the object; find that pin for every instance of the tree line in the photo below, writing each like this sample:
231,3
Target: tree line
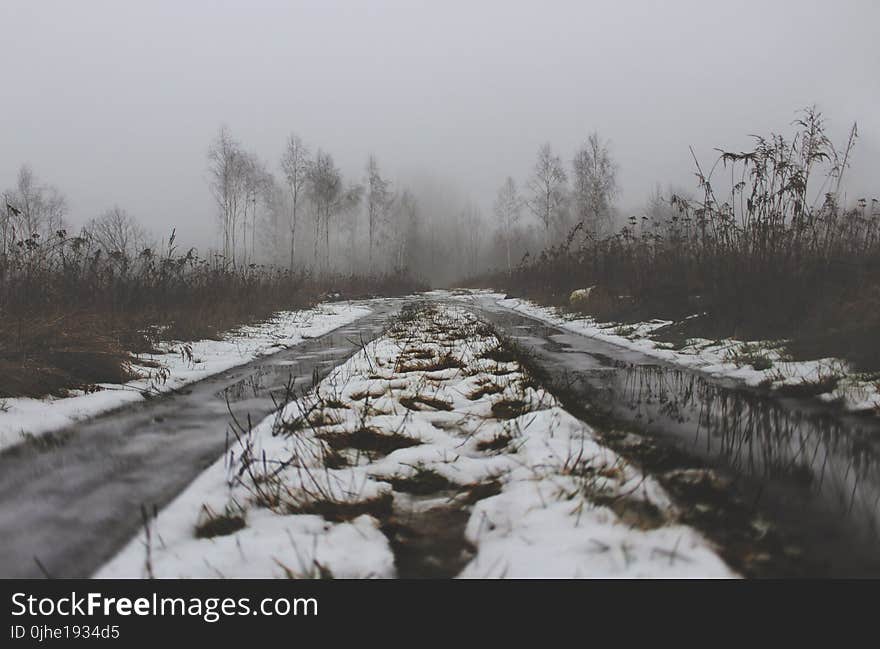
556,199
766,246
35,214
306,215
301,214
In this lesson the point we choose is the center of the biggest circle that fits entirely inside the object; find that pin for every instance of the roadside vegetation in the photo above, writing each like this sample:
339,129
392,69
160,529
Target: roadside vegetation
73,314
76,306
767,249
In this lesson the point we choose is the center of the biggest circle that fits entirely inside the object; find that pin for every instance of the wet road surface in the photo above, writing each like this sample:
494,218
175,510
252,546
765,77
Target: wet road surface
73,503
810,469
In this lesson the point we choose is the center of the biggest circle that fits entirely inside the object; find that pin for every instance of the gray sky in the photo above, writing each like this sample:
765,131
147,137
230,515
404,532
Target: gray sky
116,102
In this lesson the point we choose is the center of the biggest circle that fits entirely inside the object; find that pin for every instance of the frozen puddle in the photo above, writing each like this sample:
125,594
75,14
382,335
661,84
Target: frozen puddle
430,453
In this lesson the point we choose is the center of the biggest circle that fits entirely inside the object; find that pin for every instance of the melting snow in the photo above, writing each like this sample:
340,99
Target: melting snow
178,364
719,358
433,416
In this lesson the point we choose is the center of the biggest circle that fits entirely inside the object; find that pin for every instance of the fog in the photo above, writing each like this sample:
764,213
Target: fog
116,103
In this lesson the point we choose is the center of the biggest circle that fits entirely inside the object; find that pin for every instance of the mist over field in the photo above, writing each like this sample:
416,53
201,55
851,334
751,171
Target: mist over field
116,104
419,289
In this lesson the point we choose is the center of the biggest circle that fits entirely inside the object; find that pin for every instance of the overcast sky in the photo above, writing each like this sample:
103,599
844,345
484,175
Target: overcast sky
116,102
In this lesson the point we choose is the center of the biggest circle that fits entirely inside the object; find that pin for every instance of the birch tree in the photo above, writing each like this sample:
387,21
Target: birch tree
406,230
226,170
257,186
547,190
273,236
295,165
508,210
594,185
330,198
379,199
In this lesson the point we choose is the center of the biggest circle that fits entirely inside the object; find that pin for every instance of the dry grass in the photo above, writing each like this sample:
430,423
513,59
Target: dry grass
338,511
510,408
50,355
71,316
212,524
421,402
498,442
367,440
422,483
435,364
766,251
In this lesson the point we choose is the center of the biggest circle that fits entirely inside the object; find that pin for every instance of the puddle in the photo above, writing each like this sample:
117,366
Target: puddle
429,544
811,470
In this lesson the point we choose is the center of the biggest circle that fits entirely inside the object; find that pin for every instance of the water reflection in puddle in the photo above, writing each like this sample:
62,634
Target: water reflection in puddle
813,469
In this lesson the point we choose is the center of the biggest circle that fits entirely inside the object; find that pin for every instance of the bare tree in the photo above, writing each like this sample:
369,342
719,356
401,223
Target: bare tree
595,185
249,199
508,210
273,234
547,187
256,181
33,209
471,225
330,198
405,214
116,230
379,199
347,204
295,164
324,187
227,170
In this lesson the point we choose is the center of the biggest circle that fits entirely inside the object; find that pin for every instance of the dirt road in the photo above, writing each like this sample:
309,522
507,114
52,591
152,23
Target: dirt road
812,473
71,503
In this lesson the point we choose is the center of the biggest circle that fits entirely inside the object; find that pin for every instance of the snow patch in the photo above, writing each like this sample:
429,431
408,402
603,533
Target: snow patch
752,362
429,417
178,365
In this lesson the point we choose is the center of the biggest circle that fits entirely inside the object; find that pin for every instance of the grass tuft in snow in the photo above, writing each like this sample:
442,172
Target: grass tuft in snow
212,524
397,465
